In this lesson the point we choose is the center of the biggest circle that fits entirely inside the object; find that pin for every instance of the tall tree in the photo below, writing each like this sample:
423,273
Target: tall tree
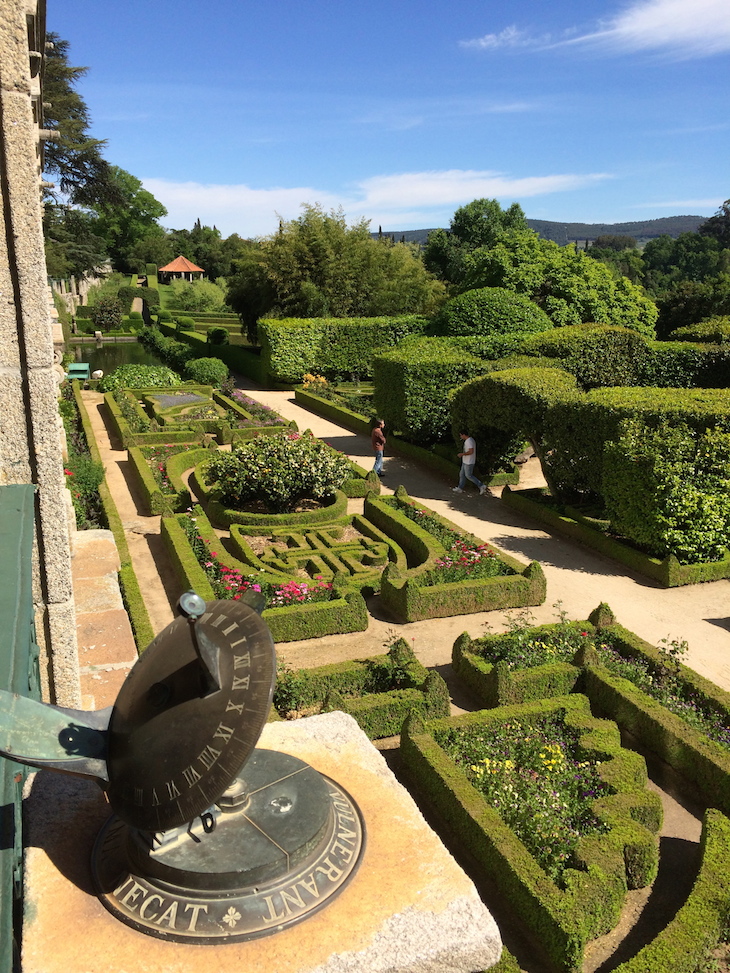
480,223
318,266
566,283
718,226
124,226
75,159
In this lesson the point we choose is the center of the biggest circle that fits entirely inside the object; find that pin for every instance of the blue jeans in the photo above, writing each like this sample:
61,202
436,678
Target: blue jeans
378,468
467,473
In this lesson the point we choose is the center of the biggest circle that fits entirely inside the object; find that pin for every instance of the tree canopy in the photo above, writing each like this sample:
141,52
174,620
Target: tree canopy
318,266
567,284
75,159
480,223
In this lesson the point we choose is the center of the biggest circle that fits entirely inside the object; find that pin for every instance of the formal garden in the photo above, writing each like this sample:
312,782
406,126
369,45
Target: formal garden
626,405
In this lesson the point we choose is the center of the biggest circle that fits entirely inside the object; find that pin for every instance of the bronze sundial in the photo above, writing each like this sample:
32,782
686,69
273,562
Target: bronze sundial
212,839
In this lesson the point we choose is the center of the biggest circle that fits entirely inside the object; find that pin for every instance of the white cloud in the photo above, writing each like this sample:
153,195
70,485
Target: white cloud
510,37
399,199
684,29
699,28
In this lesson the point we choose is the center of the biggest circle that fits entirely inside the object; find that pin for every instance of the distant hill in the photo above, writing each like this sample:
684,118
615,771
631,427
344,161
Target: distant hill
562,233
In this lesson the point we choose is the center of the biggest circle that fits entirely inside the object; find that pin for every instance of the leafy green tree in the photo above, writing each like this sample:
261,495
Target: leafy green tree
614,241
75,159
718,226
107,314
123,226
691,256
689,302
567,284
318,266
205,246
73,248
480,223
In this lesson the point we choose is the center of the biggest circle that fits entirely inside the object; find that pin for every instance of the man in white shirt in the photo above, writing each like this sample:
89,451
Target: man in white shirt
468,460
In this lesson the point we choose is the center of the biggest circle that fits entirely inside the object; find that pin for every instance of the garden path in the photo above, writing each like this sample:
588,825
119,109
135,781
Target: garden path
577,577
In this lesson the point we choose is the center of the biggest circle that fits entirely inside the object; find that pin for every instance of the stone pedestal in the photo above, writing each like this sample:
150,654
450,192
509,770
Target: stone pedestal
408,908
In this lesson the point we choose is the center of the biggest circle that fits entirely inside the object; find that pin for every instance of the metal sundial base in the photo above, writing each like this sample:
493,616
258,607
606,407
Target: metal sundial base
278,845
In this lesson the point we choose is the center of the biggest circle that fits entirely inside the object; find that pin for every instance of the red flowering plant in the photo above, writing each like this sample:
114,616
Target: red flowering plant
157,457
463,560
230,583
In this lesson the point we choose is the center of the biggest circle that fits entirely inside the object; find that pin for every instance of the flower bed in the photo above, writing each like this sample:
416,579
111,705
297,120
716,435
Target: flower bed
682,717
587,900
378,692
637,685
667,571
419,592
158,469
294,613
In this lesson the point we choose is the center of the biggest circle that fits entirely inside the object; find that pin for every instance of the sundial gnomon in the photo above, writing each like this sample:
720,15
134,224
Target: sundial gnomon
212,839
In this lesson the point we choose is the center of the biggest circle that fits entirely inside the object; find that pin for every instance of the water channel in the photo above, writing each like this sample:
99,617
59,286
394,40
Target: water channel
108,355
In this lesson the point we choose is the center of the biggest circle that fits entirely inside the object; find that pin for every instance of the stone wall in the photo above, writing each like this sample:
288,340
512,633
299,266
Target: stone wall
30,442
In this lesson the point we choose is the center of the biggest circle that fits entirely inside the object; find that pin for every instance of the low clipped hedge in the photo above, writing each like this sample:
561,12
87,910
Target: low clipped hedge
131,592
409,601
122,430
570,523
349,563
157,502
431,458
692,754
333,510
343,686
682,946
589,903
243,360
345,613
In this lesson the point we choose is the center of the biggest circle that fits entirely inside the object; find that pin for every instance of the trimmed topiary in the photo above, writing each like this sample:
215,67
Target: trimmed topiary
206,371
490,311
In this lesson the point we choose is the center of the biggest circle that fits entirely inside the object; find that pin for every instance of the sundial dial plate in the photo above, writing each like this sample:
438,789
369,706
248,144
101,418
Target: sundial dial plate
243,909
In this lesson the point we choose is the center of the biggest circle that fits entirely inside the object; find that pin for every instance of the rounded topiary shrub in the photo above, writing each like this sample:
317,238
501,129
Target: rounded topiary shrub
135,316
164,315
278,472
185,324
490,311
106,314
206,371
217,336
139,377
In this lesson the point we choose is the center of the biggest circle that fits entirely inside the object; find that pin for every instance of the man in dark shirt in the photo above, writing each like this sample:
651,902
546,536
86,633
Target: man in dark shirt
378,440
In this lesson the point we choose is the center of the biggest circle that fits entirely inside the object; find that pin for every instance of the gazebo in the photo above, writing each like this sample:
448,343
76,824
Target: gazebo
180,267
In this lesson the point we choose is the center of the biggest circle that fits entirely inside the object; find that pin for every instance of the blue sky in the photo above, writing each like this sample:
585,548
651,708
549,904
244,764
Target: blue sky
238,112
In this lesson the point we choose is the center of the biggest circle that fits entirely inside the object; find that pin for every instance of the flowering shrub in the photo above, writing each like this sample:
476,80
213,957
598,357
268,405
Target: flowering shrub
229,583
317,384
531,774
139,377
279,471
